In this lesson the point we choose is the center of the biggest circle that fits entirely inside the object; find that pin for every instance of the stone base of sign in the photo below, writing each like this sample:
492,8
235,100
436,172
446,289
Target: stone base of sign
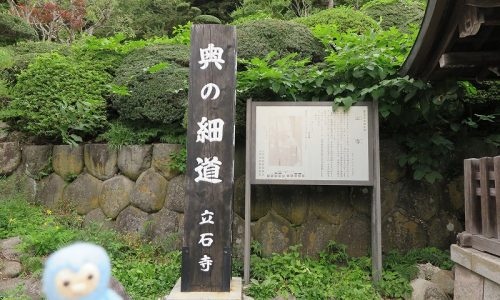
235,293
477,274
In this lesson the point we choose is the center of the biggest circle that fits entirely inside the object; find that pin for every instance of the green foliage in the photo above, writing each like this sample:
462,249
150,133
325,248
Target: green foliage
395,286
143,268
158,97
14,29
345,19
278,9
130,133
436,257
58,98
14,294
178,161
24,53
398,13
334,276
260,15
258,38
221,9
206,19
146,18
363,68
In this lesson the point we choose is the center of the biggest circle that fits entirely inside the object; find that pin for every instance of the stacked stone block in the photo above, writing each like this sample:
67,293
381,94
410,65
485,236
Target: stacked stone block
133,190
125,189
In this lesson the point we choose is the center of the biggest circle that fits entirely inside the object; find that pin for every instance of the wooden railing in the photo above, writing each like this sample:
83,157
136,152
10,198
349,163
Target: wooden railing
482,205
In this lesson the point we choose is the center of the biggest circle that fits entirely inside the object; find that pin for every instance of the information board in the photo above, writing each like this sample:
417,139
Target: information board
308,143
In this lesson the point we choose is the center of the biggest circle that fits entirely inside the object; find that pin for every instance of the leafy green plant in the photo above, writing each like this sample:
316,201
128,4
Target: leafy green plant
146,271
59,99
178,160
395,286
133,133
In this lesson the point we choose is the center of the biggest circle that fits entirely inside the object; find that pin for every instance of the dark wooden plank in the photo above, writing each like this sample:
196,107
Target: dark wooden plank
204,192
482,243
488,207
469,59
496,176
482,3
472,207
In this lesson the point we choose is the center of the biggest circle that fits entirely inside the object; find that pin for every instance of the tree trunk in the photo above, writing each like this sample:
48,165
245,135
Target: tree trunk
330,3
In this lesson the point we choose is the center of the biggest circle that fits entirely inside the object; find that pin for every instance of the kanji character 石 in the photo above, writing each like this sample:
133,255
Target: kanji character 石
211,130
208,170
207,90
208,219
211,55
206,240
205,263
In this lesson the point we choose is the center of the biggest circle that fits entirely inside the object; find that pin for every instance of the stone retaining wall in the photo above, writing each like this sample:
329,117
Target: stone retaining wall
133,190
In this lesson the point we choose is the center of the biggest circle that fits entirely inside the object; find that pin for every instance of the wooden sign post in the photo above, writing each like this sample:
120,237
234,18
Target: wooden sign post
206,253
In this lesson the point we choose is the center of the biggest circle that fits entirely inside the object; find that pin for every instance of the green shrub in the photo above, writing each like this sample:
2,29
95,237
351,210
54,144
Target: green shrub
258,38
24,53
397,13
260,15
58,98
156,82
14,29
345,19
206,19
132,133
278,9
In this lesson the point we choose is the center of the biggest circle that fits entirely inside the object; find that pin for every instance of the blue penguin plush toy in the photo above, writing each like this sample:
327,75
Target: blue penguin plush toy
78,272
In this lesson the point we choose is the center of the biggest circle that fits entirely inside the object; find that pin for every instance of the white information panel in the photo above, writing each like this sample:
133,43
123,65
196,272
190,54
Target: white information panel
300,143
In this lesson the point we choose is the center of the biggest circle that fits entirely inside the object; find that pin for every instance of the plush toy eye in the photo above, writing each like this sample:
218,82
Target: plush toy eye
90,277
66,283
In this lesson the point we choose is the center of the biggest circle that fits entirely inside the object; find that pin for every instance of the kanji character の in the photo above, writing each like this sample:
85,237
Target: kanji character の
208,89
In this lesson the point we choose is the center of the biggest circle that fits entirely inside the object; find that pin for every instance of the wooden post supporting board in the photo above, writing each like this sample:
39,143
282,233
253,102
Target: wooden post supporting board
206,256
376,202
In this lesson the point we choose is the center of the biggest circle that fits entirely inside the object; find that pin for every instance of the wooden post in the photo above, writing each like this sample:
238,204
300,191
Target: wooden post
248,195
376,202
472,207
210,160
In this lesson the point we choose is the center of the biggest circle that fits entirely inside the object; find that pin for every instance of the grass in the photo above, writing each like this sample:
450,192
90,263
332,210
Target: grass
147,271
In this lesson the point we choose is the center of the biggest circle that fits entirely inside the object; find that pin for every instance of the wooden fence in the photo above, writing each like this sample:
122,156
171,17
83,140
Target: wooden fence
482,205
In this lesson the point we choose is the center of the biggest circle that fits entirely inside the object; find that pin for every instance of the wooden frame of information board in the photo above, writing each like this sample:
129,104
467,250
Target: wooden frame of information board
371,177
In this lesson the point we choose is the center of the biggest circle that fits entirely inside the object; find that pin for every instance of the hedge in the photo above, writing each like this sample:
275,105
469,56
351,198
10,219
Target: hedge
258,38
14,29
58,98
346,19
397,13
156,80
